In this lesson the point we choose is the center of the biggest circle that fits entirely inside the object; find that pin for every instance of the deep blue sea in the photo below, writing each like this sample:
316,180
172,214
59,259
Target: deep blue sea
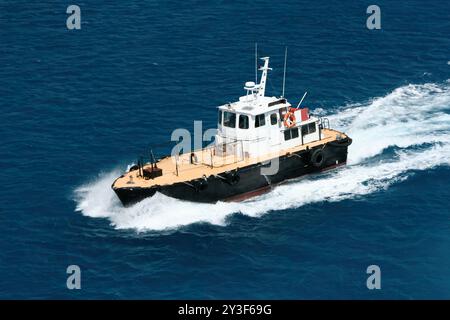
78,106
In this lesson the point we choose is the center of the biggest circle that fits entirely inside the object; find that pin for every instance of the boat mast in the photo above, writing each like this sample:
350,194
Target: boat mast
256,62
284,72
262,84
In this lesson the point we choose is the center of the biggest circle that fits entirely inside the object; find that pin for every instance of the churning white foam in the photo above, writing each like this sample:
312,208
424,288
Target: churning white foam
414,119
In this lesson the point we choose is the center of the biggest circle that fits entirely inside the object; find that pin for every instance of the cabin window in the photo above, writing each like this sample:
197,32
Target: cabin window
219,120
273,119
243,122
308,128
229,119
271,104
290,134
287,135
260,120
304,130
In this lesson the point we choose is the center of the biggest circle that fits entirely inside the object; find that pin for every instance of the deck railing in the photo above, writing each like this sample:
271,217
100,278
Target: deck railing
212,156
324,123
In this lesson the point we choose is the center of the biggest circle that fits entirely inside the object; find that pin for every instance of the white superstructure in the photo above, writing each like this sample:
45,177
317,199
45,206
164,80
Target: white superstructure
257,121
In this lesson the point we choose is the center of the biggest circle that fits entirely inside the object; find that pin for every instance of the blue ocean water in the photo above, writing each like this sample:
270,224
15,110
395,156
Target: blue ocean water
78,106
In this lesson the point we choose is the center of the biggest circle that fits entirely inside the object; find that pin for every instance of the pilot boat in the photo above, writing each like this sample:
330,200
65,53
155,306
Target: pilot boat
261,142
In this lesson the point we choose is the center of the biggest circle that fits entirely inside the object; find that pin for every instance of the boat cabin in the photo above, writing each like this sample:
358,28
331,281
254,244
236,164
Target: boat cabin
257,125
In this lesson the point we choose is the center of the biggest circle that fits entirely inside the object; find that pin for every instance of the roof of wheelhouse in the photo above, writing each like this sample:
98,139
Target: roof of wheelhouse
252,107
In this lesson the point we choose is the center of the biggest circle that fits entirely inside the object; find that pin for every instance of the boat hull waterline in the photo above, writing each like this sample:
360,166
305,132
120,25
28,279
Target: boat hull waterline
245,182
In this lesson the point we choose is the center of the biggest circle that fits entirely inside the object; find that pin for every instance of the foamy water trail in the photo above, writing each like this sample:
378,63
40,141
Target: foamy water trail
414,119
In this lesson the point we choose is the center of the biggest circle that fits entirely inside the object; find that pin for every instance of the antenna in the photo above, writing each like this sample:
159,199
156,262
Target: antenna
256,62
284,73
301,100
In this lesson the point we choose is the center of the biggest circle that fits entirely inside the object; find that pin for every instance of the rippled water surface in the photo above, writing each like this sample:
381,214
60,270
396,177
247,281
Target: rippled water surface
79,106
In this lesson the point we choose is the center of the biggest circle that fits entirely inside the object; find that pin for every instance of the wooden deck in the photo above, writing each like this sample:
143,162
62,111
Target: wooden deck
208,164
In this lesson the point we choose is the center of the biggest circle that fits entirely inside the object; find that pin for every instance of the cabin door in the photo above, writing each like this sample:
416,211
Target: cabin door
274,129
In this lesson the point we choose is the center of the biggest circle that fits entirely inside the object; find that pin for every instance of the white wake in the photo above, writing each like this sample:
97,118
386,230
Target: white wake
414,120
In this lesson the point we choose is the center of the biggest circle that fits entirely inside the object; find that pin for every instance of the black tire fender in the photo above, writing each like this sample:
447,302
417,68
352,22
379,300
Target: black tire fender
202,183
318,158
235,178
231,177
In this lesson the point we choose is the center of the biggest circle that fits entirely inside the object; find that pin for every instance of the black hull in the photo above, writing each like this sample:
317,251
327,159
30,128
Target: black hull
247,181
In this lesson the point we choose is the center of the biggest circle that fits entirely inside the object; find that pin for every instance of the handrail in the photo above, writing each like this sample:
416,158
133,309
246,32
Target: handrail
324,123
